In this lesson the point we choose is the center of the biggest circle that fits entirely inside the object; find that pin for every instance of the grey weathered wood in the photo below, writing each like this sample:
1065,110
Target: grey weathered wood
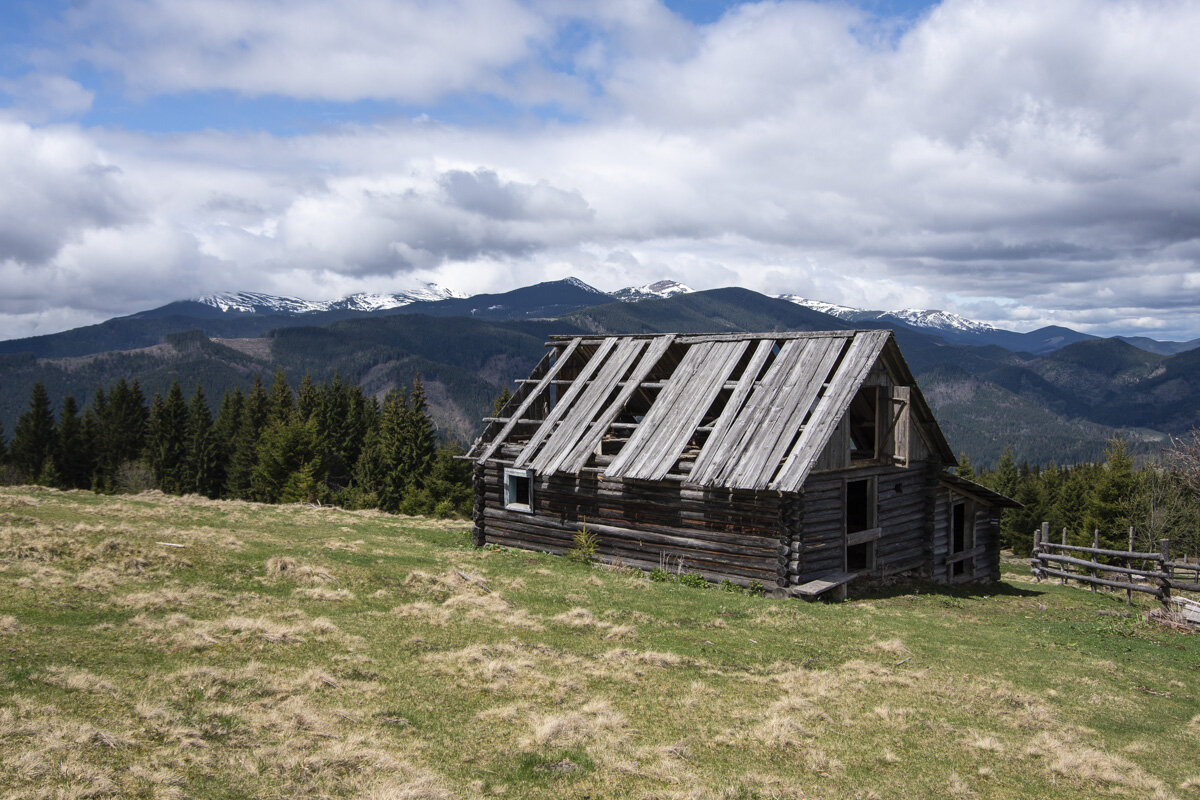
675,416
587,404
589,439
864,349
772,441
823,583
732,450
707,460
529,400
564,403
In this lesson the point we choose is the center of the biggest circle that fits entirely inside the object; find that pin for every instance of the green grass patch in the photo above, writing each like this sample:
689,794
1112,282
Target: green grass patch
166,647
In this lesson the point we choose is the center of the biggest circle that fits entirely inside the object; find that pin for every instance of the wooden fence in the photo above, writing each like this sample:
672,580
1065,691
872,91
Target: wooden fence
1149,573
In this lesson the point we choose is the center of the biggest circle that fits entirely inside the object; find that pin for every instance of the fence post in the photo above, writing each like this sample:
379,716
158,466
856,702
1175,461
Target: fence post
1164,583
1065,568
1129,563
1035,560
1095,572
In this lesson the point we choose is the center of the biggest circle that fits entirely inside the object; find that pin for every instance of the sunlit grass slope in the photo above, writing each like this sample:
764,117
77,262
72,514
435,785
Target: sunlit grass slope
298,652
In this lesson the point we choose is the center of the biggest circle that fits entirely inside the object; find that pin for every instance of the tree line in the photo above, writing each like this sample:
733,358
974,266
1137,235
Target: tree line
1160,500
322,443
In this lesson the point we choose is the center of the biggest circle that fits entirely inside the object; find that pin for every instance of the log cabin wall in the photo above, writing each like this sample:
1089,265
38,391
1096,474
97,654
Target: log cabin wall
977,556
903,512
720,533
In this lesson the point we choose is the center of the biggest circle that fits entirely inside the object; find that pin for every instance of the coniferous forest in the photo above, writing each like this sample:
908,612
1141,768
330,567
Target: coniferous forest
330,443
323,443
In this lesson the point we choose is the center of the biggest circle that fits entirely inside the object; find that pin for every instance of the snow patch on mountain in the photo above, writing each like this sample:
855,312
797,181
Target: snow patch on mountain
832,309
926,319
940,320
257,303
578,284
658,289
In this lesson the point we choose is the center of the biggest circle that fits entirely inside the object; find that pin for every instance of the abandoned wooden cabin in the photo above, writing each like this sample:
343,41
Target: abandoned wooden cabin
799,460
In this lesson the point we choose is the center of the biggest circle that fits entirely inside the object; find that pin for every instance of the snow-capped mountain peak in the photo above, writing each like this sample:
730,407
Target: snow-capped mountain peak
258,303
658,289
578,284
832,309
940,320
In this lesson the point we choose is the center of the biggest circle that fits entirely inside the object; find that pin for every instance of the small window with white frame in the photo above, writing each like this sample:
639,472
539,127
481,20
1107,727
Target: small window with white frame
518,490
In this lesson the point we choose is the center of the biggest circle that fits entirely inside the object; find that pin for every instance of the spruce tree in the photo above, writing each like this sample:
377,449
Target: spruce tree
95,436
964,468
203,474
35,436
280,406
168,442
72,456
244,449
3,446
307,398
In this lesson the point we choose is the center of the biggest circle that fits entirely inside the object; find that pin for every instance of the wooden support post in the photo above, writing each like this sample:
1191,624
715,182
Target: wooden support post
479,483
1164,583
1095,573
1129,563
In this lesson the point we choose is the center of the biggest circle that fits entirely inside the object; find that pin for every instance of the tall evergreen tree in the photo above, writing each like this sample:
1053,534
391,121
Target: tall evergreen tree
307,398
73,454
280,407
168,442
965,468
3,445
244,448
35,436
204,463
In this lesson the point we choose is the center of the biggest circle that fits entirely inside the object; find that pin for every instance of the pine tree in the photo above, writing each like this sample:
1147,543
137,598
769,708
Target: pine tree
3,445
285,448
35,436
244,448
964,468
418,443
502,400
1005,480
1114,494
280,406
307,398
168,441
94,436
203,473
73,455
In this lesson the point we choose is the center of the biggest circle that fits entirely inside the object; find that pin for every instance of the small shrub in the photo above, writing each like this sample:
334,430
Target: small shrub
660,575
585,546
693,580
756,589
729,586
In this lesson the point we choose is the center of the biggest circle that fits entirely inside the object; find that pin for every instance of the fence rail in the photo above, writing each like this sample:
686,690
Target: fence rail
1155,573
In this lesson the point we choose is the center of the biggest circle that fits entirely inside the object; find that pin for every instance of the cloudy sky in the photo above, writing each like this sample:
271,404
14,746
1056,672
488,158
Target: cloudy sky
1022,162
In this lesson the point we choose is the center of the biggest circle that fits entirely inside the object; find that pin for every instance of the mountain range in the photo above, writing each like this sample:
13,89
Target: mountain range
1052,394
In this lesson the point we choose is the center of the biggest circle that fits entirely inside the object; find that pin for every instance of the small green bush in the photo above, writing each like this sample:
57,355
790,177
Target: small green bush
585,546
693,580
660,575
729,586
756,589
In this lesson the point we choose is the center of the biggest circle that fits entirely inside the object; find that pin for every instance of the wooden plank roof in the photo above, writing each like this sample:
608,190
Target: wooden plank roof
741,411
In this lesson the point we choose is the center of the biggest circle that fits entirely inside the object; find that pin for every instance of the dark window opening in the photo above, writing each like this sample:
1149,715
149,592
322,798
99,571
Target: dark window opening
960,567
864,424
860,511
958,528
860,557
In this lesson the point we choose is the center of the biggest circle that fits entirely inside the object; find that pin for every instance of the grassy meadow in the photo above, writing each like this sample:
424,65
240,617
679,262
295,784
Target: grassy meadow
159,647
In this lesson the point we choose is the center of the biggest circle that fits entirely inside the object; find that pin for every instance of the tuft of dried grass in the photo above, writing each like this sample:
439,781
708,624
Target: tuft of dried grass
595,721
287,568
76,680
9,625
